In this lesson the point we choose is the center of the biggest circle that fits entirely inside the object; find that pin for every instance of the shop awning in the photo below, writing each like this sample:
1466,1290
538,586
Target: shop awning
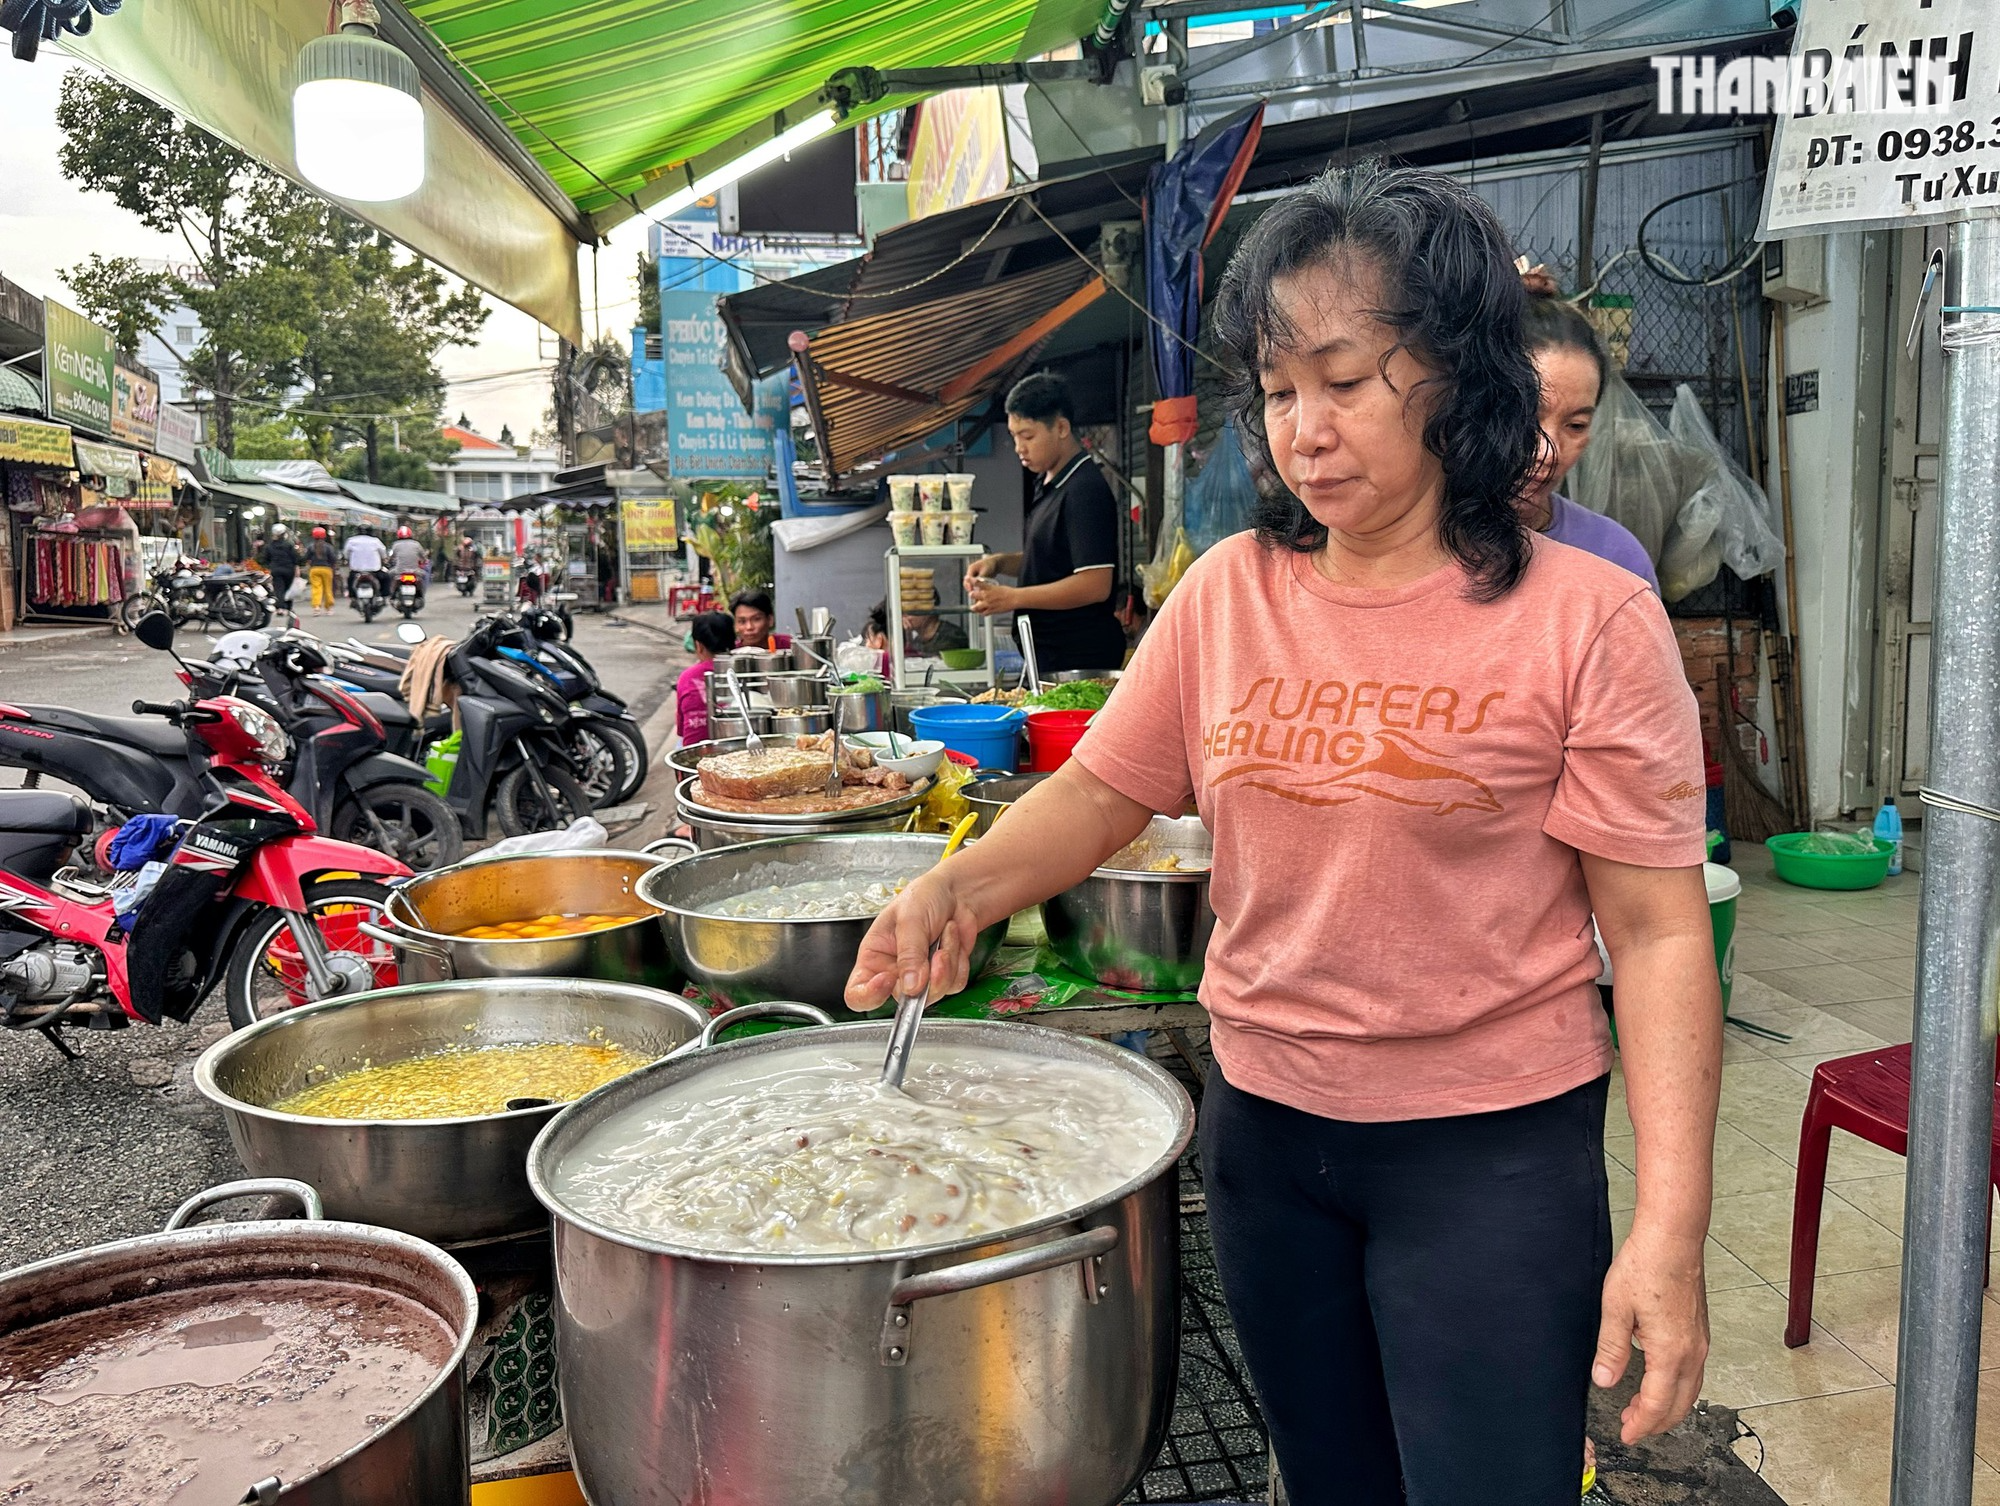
19,392
326,509
549,121
885,382
401,499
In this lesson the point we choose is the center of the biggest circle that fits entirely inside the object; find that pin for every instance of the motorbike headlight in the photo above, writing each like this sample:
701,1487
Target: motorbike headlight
262,728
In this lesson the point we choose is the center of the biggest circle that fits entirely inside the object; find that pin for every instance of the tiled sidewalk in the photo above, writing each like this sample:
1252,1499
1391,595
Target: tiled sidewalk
1835,972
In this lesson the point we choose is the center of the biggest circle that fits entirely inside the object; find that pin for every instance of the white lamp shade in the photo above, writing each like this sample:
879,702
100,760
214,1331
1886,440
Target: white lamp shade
357,140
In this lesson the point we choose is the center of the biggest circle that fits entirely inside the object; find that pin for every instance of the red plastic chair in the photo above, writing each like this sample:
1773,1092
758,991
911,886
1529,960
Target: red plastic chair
1868,1095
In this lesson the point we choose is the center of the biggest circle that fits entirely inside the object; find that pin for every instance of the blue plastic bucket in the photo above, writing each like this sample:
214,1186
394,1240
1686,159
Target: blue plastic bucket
991,734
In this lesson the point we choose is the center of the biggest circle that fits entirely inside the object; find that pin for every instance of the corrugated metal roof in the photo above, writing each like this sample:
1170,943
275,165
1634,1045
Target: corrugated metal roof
401,498
885,382
962,250
19,392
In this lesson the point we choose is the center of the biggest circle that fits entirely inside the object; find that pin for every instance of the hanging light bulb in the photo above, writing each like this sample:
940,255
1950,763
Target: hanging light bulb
357,114
784,144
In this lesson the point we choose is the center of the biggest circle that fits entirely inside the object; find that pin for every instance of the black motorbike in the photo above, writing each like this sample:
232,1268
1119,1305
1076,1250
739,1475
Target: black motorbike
466,578
604,737
514,769
406,593
188,592
365,591
341,768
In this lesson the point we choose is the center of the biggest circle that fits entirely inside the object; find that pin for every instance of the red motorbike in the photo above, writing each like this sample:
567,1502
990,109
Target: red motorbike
250,897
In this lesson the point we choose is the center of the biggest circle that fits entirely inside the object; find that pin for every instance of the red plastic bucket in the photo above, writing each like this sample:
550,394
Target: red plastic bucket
1053,736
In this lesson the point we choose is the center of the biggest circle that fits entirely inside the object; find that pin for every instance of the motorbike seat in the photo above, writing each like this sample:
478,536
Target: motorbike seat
44,812
147,733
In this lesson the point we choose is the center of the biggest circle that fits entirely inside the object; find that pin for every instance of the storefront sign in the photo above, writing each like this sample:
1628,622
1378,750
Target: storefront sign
76,368
650,523
28,443
180,433
709,436
135,408
960,152
1890,116
113,462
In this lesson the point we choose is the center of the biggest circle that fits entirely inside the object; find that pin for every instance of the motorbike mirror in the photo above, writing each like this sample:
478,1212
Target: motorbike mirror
546,627
410,632
155,630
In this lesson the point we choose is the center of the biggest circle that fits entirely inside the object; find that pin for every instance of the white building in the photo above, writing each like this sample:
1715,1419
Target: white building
486,473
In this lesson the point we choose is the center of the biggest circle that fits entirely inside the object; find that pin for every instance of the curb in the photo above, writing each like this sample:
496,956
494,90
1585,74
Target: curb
624,621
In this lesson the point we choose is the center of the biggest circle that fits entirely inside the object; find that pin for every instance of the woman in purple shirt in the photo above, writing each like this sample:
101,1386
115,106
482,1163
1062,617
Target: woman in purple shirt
1573,368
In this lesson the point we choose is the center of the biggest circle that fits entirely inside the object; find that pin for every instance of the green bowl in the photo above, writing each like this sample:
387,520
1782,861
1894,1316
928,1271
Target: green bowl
963,658
1814,870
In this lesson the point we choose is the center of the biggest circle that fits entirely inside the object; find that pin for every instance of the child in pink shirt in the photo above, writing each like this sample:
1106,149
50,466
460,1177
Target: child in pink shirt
714,633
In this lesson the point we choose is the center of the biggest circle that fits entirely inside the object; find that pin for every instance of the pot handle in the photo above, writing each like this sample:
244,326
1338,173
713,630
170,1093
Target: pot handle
404,943
729,1017
300,1192
1085,1249
686,848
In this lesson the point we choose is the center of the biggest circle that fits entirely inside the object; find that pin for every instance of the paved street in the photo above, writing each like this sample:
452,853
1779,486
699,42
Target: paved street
106,1147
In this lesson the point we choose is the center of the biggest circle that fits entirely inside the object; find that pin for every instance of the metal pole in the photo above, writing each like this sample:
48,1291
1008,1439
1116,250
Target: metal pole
1951,1100
1173,459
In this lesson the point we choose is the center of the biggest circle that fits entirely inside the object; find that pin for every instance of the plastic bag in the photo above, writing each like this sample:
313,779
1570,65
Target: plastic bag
944,803
1837,844
1223,498
582,833
1635,472
1748,544
1172,557
300,588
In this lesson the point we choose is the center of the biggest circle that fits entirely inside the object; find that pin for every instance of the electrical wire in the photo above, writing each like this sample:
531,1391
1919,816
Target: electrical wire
1666,271
1166,329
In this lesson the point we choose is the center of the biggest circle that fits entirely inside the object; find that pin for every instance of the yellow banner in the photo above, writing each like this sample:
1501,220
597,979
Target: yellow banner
960,152
650,523
31,443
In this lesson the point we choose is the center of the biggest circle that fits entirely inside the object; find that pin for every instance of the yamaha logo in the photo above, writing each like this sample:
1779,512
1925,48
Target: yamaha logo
215,847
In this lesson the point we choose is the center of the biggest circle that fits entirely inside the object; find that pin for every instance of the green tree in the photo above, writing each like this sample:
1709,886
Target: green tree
231,212
408,465
377,320
271,439
122,296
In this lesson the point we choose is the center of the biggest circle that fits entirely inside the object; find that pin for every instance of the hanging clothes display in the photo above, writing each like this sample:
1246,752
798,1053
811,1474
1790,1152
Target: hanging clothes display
75,569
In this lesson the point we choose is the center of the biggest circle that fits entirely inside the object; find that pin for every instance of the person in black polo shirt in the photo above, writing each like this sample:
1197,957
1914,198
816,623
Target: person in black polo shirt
1071,554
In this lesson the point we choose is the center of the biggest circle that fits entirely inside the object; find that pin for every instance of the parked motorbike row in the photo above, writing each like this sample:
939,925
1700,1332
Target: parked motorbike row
189,592
243,892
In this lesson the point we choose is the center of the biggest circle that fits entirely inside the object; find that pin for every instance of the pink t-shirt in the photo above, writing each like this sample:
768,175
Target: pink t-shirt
1399,783
691,702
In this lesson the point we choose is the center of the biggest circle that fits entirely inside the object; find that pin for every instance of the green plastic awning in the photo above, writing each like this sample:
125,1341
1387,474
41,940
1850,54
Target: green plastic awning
619,91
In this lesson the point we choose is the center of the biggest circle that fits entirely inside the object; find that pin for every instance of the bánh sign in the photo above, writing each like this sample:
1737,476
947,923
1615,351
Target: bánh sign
135,408
77,361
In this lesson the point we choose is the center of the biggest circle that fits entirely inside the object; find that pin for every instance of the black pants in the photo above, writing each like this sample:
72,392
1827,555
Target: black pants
1418,1301
281,589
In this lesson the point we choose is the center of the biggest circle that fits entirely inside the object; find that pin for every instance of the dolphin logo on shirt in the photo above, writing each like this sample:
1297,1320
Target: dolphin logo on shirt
1402,770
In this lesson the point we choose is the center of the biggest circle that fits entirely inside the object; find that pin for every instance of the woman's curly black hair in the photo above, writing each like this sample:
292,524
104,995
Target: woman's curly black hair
1454,301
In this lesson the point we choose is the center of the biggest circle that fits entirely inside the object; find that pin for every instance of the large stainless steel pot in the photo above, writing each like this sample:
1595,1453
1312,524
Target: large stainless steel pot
1140,930
1030,1368
449,1180
794,688
418,1457
860,710
990,796
801,721
745,961
424,917
714,832
758,661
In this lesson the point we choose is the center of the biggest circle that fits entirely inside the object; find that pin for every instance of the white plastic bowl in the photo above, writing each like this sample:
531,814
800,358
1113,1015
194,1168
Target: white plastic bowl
921,756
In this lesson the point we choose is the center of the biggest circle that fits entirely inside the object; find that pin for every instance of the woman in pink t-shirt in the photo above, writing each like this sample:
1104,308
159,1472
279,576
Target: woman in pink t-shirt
1429,744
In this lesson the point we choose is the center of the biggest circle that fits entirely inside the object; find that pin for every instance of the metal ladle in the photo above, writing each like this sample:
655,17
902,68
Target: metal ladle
910,1010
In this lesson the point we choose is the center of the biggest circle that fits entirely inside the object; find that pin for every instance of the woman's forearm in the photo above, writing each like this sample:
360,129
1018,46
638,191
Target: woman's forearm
1669,1008
1051,838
